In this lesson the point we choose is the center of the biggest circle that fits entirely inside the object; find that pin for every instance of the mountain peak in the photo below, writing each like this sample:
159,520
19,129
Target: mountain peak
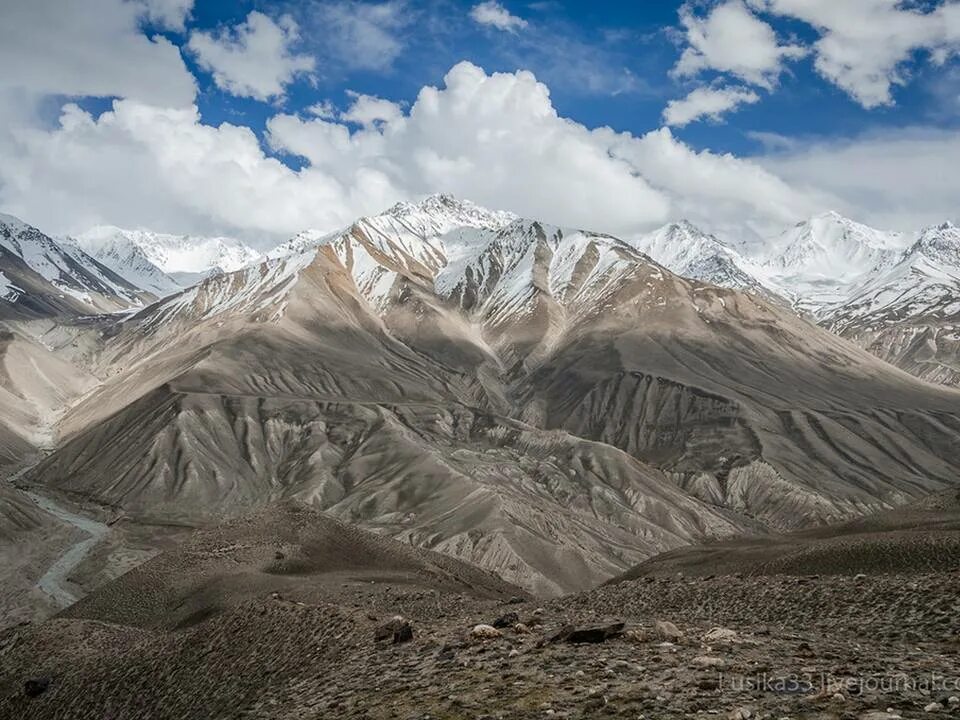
445,210
13,222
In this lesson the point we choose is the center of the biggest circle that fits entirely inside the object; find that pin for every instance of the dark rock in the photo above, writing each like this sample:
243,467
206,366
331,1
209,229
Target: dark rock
278,555
515,600
561,634
403,634
589,634
397,630
36,686
506,620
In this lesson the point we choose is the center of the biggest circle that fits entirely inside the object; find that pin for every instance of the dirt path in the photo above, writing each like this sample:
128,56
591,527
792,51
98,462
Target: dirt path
53,581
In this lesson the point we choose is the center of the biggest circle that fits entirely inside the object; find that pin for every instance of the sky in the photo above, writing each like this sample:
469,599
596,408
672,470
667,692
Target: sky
260,119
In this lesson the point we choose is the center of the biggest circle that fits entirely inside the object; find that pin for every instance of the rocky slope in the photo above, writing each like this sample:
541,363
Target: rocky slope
289,614
545,402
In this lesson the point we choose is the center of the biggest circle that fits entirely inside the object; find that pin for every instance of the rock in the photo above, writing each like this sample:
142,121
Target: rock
278,555
743,713
397,630
515,600
595,633
709,662
561,634
666,630
637,635
719,635
933,707
485,632
36,686
859,577
506,620
953,701
521,629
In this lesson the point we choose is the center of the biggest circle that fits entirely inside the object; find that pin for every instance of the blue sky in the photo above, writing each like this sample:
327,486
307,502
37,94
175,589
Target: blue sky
606,63
744,115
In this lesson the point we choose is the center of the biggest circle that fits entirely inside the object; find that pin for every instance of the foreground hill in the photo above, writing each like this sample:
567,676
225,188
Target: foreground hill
921,537
547,403
288,613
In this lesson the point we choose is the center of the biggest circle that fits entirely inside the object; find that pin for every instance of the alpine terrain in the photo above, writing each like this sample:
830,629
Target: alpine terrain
894,294
444,413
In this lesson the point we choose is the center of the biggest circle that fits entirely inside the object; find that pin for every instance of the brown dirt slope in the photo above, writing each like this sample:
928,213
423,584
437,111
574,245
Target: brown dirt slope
287,547
923,536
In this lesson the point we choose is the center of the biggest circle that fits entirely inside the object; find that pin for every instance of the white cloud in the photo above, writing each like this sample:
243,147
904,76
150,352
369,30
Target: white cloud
733,40
864,44
721,192
360,34
707,102
254,58
902,180
324,109
496,139
170,14
368,111
493,14
89,48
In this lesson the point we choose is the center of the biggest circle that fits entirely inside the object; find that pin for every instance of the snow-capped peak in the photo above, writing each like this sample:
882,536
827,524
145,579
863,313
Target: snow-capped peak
832,247
68,271
939,244
687,250
173,254
440,213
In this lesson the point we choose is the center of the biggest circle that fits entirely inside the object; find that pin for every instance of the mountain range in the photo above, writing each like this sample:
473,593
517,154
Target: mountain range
549,403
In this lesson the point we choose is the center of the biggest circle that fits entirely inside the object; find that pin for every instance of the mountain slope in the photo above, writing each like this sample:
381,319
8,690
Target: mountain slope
910,314
548,403
688,251
42,278
127,260
178,259
895,294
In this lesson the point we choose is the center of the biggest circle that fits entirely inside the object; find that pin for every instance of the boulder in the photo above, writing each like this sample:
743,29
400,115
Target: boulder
589,633
637,635
666,630
397,630
485,632
506,620
720,635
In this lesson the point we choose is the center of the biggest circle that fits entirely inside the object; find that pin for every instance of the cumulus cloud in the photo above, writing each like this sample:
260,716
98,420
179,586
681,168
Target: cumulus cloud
901,180
361,34
368,110
496,139
707,102
493,14
864,44
731,39
169,14
253,59
721,192
93,48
